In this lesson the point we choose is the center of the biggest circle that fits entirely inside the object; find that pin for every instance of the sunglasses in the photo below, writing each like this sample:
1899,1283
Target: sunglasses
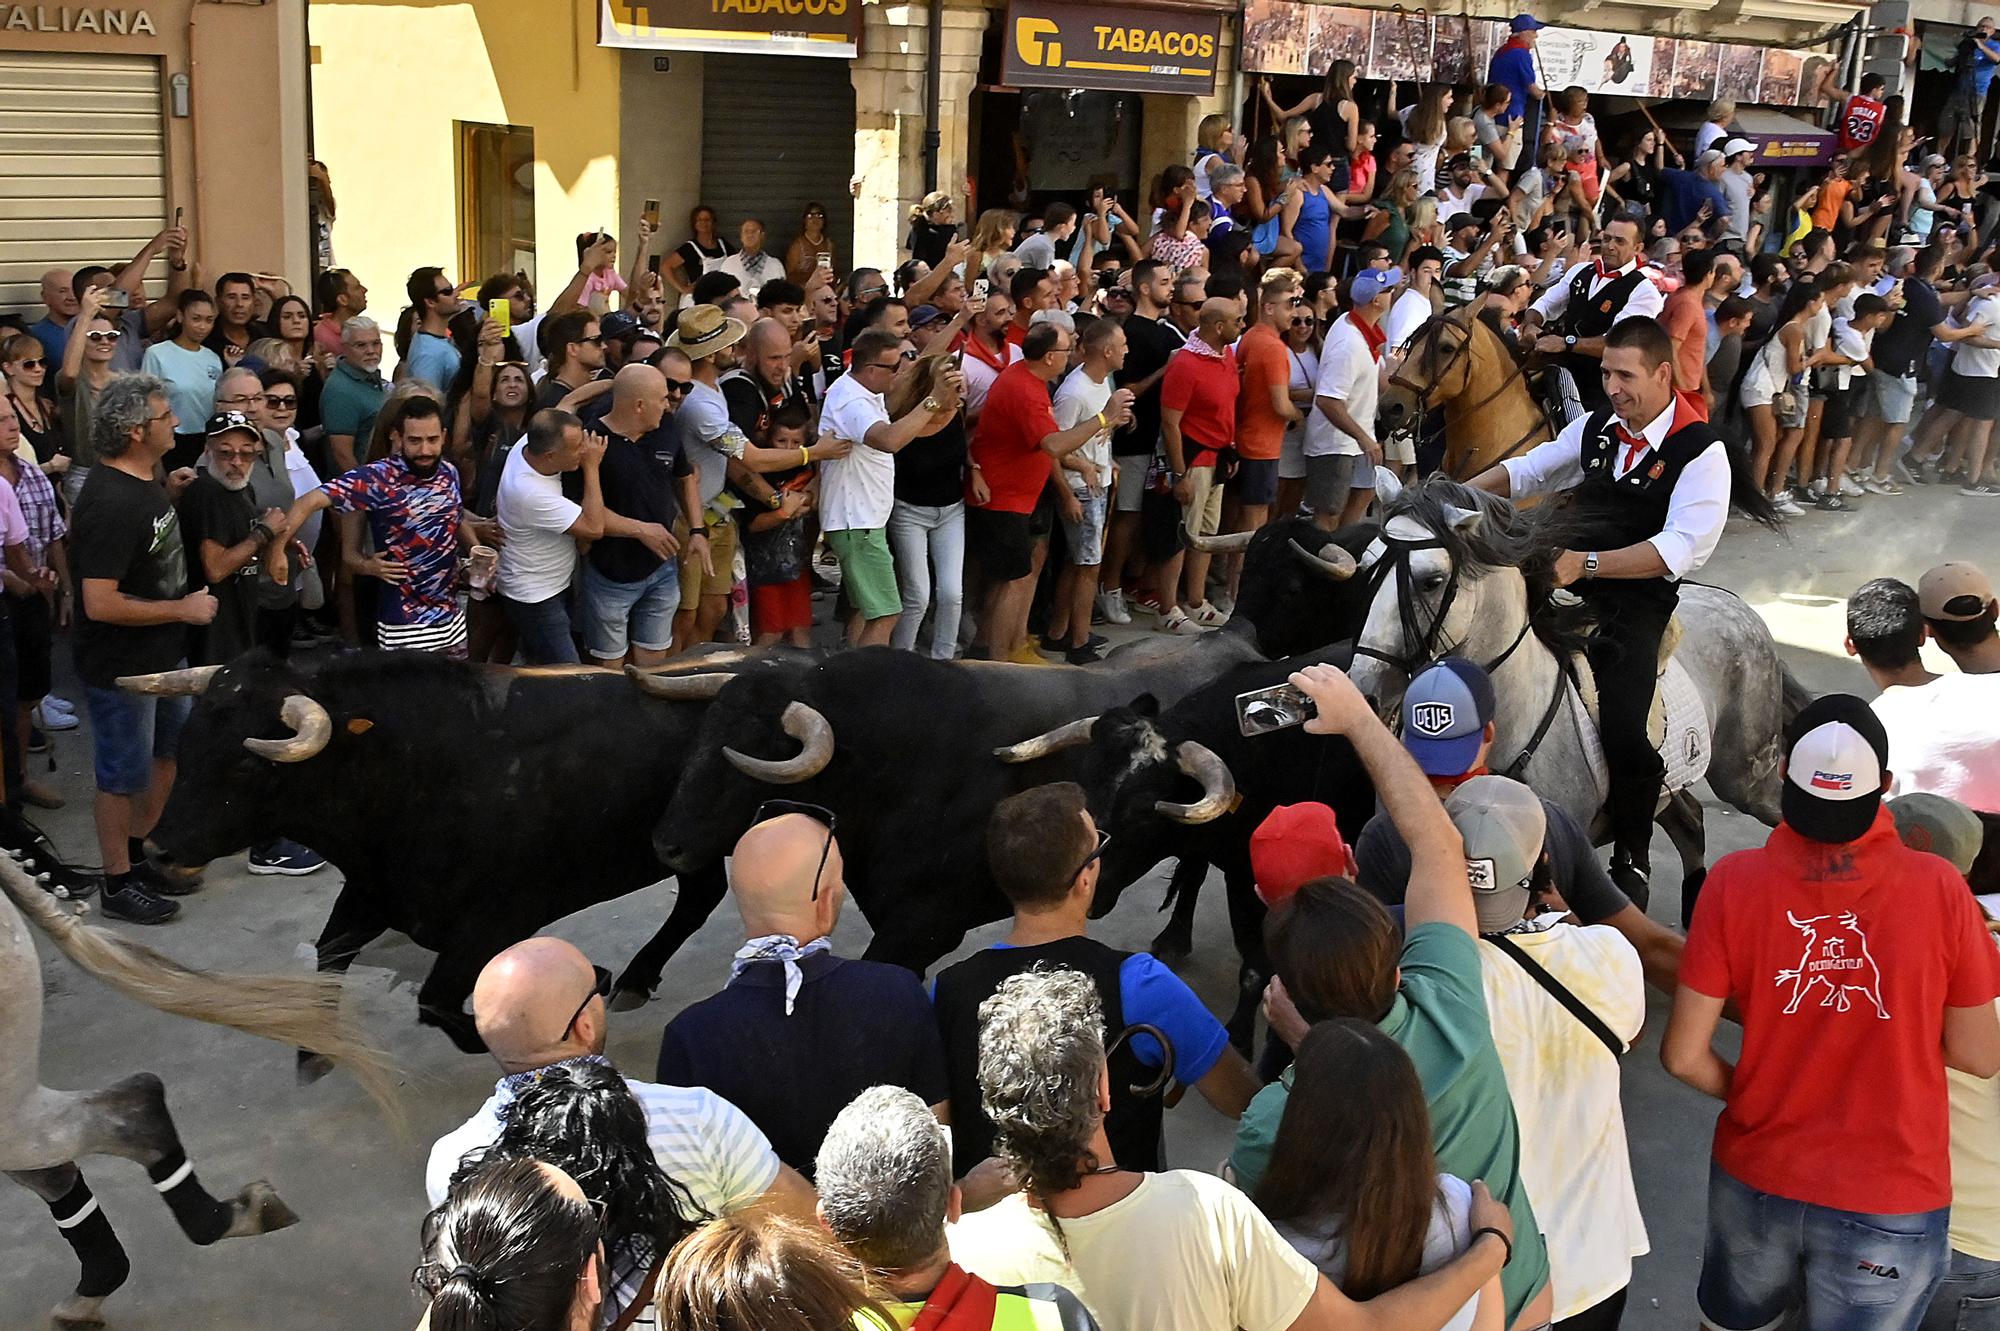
277,402
105,334
34,364
1103,841
596,339
818,813
600,988
679,387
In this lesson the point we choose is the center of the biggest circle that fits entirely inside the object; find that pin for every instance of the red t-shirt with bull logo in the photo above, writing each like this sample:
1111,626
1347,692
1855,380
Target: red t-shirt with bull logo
1841,960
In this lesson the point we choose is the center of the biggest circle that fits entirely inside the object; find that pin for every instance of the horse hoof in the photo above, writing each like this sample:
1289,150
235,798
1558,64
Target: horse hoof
630,1000
77,1313
258,1210
311,1067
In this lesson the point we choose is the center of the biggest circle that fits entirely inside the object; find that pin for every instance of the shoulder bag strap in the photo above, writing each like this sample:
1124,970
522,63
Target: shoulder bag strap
1575,1006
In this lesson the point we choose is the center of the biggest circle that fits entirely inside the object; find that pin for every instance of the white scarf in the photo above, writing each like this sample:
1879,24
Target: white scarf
779,947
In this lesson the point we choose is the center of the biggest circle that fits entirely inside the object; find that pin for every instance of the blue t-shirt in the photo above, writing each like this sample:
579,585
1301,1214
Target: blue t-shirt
190,377
1685,192
54,338
1513,68
434,360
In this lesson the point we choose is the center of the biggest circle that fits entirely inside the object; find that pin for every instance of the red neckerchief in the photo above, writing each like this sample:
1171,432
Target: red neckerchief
1451,783
1687,408
961,1302
1373,335
1604,275
975,347
1516,42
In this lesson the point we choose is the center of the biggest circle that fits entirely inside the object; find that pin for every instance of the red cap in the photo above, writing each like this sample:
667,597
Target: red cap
1295,844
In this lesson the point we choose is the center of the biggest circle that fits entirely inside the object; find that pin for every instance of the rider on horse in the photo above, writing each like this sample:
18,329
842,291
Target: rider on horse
1574,315
1650,486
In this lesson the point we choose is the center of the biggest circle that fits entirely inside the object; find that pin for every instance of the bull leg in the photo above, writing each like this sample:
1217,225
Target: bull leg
130,1119
696,895
351,925
441,998
103,1265
916,948
1683,823
1246,927
1175,943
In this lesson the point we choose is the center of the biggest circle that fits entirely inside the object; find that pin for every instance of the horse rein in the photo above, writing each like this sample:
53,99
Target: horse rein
1423,394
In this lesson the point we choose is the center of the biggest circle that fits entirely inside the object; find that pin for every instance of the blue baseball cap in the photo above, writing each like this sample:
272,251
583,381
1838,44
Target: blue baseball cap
1526,23
1369,284
1445,713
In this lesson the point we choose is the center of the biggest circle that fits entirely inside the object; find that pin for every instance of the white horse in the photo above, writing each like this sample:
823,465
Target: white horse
1460,572
44,1132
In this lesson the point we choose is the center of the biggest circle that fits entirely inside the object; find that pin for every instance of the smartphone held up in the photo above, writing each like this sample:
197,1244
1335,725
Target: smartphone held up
1280,707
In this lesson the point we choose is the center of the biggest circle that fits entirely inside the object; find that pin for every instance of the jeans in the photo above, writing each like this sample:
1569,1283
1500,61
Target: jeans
1968,1298
129,732
542,629
930,558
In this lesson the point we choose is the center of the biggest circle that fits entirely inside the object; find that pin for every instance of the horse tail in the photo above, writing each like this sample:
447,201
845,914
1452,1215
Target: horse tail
1797,697
1746,496
294,1010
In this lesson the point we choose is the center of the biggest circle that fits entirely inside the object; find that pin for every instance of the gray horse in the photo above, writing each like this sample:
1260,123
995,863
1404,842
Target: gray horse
44,1132
1488,565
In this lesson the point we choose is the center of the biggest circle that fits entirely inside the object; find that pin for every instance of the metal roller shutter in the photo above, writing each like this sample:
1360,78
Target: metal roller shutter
777,133
83,155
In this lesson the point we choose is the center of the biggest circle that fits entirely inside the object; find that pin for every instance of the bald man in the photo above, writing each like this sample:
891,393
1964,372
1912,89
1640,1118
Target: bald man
631,580
799,1032
541,1003
52,329
1197,421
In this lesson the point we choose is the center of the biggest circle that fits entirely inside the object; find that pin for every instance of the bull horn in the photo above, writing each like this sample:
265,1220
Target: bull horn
815,737
184,683
1066,736
1217,785
1340,568
311,727
679,688
1235,543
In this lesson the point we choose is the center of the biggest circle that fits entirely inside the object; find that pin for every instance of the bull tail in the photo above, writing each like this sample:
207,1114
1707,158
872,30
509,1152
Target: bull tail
1796,695
294,1010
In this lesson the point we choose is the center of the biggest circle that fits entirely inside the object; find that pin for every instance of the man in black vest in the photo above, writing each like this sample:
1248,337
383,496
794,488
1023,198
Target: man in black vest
1649,482
1576,313
1044,849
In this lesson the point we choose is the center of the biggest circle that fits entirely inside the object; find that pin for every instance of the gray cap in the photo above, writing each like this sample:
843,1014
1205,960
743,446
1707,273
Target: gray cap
1939,826
1502,824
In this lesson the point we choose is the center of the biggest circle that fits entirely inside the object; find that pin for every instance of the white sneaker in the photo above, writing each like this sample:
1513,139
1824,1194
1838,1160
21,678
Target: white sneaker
1852,488
50,719
1111,605
1176,621
1782,501
1208,616
55,702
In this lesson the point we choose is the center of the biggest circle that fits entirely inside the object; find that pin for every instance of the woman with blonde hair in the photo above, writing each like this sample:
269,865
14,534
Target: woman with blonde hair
763,1273
1399,201
1425,126
992,236
932,228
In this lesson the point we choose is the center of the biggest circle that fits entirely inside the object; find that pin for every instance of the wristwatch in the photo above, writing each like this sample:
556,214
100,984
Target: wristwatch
932,404
776,500
1570,340
1590,563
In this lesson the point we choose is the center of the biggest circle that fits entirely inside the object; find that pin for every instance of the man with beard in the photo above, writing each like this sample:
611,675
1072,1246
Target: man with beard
415,514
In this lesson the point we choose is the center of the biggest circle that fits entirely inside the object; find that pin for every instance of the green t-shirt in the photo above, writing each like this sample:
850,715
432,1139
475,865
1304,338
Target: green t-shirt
1439,1017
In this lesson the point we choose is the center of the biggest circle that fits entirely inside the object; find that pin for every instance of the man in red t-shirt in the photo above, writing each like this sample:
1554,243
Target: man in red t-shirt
1264,408
1860,969
1010,467
1197,421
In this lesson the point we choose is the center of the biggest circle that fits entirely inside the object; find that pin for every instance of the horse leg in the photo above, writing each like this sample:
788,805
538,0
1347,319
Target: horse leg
130,1119
100,1256
696,895
351,925
1175,943
1683,823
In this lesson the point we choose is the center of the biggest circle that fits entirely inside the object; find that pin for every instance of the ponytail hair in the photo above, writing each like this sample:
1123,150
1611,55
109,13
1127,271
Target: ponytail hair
506,1251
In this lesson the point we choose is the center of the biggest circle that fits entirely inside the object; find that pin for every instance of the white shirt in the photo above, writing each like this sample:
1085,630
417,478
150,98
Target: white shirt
1975,1150
1077,400
1967,359
1304,374
1707,136
1564,1085
704,1143
1695,512
753,270
1451,203
1411,311
979,376
1450,1234
1854,346
1645,302
1944,738
857,492
538,557
1348,373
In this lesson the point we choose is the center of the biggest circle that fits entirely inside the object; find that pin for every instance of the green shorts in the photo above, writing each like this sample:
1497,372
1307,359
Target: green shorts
867,571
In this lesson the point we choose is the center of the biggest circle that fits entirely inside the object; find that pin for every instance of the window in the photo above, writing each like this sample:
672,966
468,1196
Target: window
496,200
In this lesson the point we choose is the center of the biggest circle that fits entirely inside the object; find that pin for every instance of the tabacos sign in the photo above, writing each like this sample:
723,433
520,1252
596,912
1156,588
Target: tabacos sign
752,27
1112,48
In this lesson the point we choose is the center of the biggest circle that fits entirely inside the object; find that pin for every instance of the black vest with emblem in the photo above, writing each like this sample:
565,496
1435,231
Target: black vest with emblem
1617,511
1134,1124
1588,315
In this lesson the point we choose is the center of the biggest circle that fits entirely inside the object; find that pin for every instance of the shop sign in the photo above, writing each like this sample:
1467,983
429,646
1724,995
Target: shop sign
1110,48
1792,149
748,27
105,21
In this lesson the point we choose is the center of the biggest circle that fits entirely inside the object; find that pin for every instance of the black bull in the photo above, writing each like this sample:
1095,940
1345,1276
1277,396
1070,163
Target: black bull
467,806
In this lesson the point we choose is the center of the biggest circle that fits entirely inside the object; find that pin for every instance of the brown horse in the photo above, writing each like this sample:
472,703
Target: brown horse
1458,362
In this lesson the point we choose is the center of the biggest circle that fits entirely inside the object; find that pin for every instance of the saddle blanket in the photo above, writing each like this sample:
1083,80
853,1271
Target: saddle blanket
1678,727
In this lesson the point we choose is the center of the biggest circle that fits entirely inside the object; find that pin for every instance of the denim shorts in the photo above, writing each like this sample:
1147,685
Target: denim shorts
1086,534
1968,1298
640,614
128,731
1857,1271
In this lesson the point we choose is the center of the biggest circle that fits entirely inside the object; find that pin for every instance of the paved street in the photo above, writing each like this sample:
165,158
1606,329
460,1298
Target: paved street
357,1183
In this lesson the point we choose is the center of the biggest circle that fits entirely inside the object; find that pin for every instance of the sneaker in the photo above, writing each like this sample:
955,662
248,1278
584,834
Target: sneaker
1852,488
55,702
1146,603
37,741
1208,616
48,718
163,880
135,904
1989,490
285,857
1224,603
1814,492
1832,503
1089,653
1111,605
25,844
39,794
1026,654
1176,621
1875,487
1783,502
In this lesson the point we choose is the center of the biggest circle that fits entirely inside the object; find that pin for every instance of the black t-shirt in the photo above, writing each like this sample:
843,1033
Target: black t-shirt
211,511
125,531
931,471
638,478
1149,344
551,391
1382,865
855,1024
693,257
928,240
1900,348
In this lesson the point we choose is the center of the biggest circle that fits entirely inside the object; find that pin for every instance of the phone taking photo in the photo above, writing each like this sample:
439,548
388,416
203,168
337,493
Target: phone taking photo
1280,707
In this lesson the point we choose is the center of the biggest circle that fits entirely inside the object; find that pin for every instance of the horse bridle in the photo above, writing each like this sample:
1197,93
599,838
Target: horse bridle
1422,394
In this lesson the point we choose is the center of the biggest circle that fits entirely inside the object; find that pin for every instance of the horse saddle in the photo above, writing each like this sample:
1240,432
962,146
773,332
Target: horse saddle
1677,724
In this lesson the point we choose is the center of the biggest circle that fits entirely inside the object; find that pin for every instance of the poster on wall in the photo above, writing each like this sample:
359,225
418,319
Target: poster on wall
1337,34
1399,46
1695,65
1780,83
1739,73
1274,36
1451,50
1597,61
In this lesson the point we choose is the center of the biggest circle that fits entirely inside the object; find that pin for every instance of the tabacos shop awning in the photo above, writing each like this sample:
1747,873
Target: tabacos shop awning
745,27
1781,140
1111,48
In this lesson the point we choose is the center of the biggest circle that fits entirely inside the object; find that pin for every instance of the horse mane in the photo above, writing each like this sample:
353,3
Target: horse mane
1504,537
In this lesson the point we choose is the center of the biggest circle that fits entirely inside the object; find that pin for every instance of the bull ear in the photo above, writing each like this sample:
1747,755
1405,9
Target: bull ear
1463,520
1146,705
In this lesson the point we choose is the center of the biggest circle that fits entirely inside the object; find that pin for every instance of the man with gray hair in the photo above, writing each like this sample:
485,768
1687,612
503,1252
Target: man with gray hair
353,392
1172,1251
135,610
885,1193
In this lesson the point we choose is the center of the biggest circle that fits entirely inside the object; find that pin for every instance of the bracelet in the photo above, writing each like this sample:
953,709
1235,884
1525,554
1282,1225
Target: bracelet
1101,422
806,456
1507,1242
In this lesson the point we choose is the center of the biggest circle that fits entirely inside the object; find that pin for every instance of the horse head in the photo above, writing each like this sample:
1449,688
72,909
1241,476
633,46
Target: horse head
1435,367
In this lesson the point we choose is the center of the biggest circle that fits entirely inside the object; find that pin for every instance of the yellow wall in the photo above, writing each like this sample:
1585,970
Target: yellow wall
389,82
